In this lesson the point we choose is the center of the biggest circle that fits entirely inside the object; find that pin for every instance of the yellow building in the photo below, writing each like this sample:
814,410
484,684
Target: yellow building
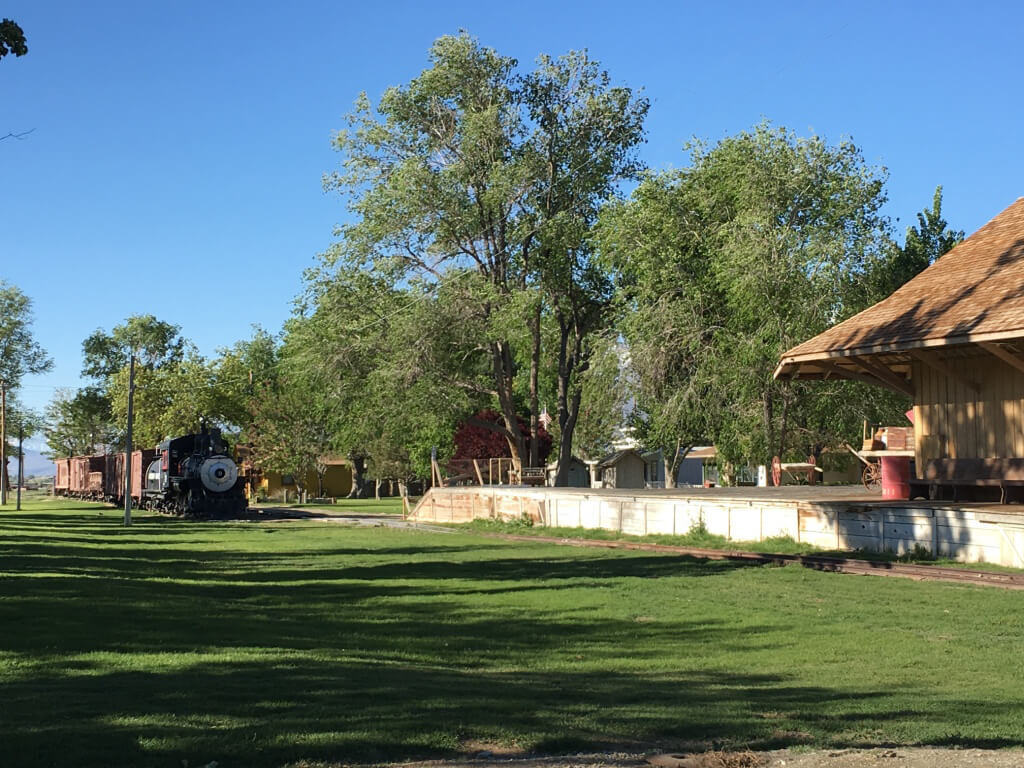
337,481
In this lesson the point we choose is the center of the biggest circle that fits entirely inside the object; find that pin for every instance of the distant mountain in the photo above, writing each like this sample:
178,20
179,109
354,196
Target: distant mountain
35,465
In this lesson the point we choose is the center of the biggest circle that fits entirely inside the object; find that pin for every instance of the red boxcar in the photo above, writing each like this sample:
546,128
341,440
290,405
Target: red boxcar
113,479
62,478
86,476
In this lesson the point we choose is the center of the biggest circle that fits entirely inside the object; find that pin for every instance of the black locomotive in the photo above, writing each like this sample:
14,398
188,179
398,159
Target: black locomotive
195,475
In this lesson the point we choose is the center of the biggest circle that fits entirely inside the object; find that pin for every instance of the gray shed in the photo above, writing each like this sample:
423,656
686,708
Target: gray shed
622,469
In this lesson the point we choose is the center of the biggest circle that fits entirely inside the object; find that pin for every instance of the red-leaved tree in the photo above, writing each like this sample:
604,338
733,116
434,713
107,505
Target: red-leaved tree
473,441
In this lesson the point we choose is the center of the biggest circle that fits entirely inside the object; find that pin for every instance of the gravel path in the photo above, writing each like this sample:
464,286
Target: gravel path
909,757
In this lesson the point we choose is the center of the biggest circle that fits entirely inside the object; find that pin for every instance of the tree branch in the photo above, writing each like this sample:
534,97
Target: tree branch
18,136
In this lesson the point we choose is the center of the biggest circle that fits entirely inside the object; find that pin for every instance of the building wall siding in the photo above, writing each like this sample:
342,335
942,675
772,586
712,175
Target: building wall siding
952,420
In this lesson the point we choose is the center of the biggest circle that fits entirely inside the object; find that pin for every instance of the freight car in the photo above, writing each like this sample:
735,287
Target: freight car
189,475
100,477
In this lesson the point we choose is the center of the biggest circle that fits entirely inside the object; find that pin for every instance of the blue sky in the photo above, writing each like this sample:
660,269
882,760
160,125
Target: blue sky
175,162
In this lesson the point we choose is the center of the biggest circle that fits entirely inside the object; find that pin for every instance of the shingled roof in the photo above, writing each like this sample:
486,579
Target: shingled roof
975,293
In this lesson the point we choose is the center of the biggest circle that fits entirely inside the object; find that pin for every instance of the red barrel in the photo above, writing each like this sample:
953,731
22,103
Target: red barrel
896,477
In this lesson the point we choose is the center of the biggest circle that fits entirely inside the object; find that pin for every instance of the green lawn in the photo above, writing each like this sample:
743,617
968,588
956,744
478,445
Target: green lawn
263,644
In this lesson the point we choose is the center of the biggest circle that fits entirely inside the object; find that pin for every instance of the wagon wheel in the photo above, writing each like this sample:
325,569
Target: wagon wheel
871,476
776,471
811,478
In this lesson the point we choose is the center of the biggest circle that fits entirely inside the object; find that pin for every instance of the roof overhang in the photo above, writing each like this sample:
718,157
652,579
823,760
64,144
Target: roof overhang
888,365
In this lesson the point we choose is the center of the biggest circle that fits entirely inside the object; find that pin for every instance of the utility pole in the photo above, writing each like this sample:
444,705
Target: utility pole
3,442
128,445
21,459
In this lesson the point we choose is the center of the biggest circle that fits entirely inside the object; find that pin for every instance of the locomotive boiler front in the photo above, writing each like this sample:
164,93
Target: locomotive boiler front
218,473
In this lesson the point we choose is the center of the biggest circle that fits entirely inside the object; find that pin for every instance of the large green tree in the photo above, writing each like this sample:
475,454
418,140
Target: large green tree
358,340
158,347
763,241
475,174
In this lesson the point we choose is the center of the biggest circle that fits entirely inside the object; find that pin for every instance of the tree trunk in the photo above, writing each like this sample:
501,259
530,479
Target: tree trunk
534,387
565,444
376,490
767,405
672,467
504,376
359,489
568,400
670,460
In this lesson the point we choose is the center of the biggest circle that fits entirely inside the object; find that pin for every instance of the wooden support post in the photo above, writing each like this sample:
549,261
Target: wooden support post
479,474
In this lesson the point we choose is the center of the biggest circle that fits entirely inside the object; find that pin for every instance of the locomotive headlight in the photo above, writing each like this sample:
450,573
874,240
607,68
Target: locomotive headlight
218,474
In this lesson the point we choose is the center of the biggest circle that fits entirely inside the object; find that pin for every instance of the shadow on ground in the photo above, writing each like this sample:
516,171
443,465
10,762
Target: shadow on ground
120,651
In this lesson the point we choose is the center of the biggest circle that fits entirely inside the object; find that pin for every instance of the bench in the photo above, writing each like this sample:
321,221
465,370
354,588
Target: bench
960,473
533,476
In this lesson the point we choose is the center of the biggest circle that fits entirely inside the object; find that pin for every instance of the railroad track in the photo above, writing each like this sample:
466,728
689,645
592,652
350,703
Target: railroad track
817,562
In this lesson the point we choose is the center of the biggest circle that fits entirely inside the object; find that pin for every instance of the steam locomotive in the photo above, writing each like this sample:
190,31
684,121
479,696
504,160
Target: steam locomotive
195,475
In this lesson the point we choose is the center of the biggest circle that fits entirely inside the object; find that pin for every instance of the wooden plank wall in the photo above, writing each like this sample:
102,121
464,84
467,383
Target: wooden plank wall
954,421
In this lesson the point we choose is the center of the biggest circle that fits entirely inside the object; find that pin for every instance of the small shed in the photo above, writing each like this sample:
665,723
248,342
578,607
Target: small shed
952,340
579,473
622,469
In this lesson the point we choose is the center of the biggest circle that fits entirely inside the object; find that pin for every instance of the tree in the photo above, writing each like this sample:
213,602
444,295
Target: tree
922,246
21,423
475,441
239,373
604,398
12,39
766,239
585,134
483,184
291,431
154,343
671,310
20,353
159,349
78,422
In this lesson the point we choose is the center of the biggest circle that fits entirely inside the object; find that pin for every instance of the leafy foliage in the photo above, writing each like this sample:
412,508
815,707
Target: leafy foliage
479,186
20,353
923,245
12,39
79,422
764,240
473,440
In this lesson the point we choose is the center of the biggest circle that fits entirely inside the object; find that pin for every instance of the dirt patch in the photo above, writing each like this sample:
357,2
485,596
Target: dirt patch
908,757
712,759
